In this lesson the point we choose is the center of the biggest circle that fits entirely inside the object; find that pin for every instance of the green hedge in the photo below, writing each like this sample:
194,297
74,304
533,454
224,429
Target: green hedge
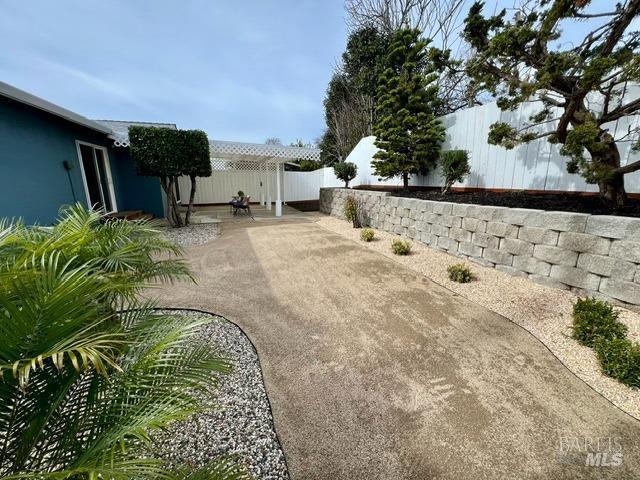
593,319
620,359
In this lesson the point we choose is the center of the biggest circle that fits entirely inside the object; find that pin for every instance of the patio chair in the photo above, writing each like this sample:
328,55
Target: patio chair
232,204
244,205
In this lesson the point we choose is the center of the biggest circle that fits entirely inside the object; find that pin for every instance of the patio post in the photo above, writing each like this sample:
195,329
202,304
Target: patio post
266,166
278,192
262,180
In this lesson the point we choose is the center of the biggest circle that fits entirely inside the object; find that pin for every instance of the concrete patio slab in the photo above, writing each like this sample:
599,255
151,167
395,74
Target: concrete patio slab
375,372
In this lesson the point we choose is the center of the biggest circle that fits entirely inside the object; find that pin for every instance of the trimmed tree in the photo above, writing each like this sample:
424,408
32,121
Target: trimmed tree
408,133
581,85
345,171
455,167
155,153
196,161
167,154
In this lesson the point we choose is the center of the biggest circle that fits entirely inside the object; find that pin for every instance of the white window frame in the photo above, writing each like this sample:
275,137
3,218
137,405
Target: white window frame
107,169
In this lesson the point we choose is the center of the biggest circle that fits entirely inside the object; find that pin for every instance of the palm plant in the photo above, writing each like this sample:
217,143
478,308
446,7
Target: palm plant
85,381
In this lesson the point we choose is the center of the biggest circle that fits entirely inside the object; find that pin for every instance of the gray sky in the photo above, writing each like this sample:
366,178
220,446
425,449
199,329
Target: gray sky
240,70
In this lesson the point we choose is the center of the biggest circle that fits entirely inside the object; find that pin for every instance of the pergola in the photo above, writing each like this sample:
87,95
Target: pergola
238,156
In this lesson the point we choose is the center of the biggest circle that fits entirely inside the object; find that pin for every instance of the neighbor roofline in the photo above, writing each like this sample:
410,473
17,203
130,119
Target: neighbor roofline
26,98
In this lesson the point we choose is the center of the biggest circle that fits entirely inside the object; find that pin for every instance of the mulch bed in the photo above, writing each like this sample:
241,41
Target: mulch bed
565,202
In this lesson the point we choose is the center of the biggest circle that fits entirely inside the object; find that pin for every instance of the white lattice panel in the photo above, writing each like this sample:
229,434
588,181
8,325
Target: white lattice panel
260,152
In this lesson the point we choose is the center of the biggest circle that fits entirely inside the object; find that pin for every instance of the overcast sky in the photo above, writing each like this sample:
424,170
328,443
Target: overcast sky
239,69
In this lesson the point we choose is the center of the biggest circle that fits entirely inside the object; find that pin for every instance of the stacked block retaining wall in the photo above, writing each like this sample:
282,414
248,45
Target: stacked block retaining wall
595,255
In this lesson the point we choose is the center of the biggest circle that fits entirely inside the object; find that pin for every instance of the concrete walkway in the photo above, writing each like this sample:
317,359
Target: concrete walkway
375,372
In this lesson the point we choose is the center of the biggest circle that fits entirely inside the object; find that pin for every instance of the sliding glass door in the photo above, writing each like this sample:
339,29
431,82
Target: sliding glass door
97,177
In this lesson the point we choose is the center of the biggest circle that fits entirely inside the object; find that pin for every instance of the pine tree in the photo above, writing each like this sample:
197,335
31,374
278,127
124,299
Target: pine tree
408,133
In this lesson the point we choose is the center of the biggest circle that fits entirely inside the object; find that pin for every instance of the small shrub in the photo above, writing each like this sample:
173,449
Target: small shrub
620,359
240,193
367,234
460,273
594,319
401,247
455,167
352,211
345,171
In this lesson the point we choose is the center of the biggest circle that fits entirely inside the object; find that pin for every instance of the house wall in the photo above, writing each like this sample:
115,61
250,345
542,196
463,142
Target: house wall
595,255
33,182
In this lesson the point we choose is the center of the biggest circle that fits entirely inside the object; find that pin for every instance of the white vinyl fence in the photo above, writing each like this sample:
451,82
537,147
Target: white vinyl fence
224,184
534,166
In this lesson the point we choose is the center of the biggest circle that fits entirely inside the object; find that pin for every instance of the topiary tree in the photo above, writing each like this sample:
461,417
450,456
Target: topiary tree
196,161
407,131
581,85
167,154
455,167
345,171
155,152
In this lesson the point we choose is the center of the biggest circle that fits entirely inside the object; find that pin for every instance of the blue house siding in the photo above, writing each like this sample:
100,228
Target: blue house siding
33,181
134,192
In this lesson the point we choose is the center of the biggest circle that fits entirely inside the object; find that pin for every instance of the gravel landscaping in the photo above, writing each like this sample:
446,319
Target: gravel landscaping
543,311
195,234
239,421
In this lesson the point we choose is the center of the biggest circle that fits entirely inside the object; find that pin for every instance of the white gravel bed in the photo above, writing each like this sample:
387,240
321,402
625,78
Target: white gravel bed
195,234
545,312
238,423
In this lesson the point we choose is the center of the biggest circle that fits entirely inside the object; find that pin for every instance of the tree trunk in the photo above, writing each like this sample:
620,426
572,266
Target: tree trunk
191,196
612,189
173,215
346,184
405,179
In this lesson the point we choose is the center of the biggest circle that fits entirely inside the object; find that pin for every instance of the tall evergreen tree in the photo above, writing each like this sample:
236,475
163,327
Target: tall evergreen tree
408,132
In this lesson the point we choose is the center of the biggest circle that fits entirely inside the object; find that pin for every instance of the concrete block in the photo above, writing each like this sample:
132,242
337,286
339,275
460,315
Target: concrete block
500,229
482,212
519,216
450,221
555,255
512,271
448,244
562,221
538,235
611,226
423,206
485,240
460,209
443,208
607,266
626,250
400,230
440,230
575,277
515,246
637,276
626,291
460,235
497,256
430,217
474,225
427,238
583,242
406,222
402,212
468,248
531,265
482,261
547,282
